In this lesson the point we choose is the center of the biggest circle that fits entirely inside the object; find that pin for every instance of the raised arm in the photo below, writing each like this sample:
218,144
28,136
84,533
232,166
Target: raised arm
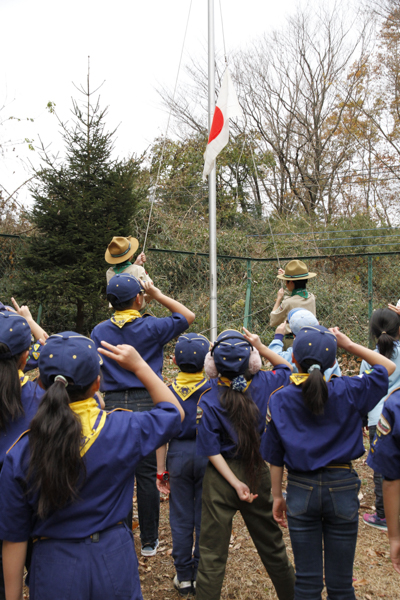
129,358
371,357
37,331
172,305
264,351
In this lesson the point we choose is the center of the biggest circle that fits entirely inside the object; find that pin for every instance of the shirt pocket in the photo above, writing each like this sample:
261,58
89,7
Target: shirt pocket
298,498
345,500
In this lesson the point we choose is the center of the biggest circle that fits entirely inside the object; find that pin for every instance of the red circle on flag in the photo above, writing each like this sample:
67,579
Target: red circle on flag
217,124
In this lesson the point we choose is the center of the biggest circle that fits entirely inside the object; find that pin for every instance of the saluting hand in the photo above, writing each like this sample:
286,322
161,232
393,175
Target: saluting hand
126,356
151,290
253,338
281,328
343,341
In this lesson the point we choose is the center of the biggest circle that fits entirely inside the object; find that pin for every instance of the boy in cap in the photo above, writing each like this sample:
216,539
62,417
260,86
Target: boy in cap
295,277
122,389
185,471
298,318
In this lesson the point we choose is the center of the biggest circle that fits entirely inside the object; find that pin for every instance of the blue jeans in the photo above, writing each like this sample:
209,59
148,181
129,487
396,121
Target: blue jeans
322,512
148,496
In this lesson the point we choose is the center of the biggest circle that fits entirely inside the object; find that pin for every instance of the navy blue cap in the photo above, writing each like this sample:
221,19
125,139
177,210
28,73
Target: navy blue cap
190,351
231,353
124,287
72,355
315,343
14,332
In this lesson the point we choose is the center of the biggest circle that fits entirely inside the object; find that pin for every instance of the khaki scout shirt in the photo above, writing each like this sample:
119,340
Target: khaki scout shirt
278,316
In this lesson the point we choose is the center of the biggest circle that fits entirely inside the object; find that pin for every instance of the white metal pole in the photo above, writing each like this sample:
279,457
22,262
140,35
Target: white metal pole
212,180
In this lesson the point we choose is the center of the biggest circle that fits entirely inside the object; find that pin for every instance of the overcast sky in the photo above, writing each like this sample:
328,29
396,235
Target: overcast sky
134,46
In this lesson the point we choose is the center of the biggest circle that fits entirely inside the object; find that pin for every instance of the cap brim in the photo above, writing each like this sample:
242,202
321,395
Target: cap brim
288,278
111,260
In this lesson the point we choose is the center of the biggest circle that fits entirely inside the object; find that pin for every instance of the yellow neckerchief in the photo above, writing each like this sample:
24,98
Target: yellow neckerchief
299,378
227,382
121,317
22,377
88,412
187,383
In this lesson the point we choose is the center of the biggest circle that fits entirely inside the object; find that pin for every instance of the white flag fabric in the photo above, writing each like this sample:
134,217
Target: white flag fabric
227,106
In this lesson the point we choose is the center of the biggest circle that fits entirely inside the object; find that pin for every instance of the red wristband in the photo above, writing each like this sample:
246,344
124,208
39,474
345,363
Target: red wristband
163,476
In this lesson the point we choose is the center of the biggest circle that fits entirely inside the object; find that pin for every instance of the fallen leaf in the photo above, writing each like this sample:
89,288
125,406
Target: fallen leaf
237,547
169,552
360,582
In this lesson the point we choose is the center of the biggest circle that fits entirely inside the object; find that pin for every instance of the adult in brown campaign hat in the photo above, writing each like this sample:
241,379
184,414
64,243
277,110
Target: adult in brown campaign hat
295,276
119,253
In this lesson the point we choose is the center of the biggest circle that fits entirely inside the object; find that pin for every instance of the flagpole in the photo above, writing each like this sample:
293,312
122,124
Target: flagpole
212,180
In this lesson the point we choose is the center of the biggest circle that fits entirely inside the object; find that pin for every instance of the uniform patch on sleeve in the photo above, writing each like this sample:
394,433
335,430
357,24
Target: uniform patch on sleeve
268,417
199,414
383,426
368,371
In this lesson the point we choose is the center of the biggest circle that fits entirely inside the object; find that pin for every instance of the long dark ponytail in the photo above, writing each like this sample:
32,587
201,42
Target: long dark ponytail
384,327
245,417
10,387
55,440
315,390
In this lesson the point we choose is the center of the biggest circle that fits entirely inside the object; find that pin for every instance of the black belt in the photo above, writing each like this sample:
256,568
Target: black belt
94,538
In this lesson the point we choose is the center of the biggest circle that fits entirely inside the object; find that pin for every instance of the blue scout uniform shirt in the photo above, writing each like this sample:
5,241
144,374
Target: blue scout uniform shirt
120,440
215,432
294,436
31,395
148,335
394,383
188,388
384,456
277,346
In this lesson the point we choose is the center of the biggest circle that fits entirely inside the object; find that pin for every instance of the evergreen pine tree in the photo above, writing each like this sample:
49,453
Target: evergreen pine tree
79,206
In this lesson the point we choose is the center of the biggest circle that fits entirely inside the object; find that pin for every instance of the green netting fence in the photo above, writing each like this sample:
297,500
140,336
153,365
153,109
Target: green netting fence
347,289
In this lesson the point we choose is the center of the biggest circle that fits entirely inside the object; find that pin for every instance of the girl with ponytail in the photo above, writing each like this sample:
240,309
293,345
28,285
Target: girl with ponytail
384,328
19,397
315,429
68,483
231,419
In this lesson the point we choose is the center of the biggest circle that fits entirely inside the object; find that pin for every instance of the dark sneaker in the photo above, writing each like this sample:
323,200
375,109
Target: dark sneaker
184,587
150,549
375,521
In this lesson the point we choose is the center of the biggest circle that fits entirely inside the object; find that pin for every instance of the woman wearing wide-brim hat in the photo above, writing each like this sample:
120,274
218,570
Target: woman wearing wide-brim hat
119,253
295,276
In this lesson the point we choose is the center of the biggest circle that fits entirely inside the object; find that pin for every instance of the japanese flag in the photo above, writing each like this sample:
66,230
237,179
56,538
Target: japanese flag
227,106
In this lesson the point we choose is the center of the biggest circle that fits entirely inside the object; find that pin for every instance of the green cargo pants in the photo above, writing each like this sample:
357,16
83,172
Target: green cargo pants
219,505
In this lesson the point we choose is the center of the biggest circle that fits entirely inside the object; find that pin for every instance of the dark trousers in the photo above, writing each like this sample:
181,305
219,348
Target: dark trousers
377,480
220,504
86,569
186,472
148,496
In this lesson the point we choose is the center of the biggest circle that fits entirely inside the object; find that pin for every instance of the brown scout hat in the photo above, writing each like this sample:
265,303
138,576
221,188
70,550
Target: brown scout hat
296,270
121,249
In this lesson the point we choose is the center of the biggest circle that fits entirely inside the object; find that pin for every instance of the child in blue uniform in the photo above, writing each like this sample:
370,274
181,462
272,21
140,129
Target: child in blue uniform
384,457
315,429
185,470
19,397
231,421
69,482
298,318
384,327
122,389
